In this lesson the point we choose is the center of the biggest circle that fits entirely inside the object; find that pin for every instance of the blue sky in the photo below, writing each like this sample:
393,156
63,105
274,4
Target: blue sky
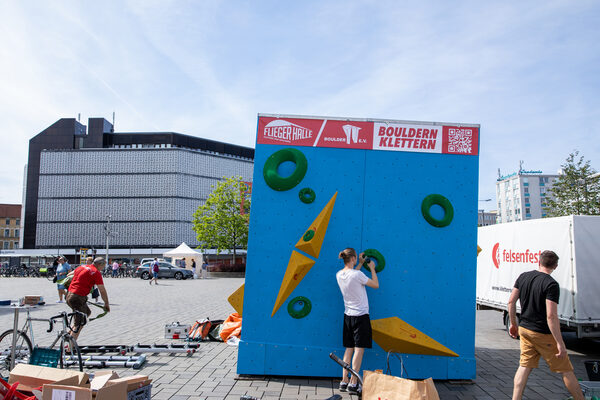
528,72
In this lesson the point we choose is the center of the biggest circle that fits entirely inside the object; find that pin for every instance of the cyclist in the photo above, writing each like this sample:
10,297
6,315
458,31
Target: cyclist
84,279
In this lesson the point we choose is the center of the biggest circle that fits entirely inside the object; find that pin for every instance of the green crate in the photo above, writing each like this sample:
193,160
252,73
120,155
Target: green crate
45,357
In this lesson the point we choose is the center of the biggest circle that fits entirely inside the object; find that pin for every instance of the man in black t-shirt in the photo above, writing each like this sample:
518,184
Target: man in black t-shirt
539,328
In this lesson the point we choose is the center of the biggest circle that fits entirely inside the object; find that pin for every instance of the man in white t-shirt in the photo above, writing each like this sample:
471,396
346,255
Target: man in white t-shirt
357,334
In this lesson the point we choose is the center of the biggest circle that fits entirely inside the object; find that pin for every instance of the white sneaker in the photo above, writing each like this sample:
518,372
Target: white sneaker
59,301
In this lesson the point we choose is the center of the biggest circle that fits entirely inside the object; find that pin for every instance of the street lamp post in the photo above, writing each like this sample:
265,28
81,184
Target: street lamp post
107,231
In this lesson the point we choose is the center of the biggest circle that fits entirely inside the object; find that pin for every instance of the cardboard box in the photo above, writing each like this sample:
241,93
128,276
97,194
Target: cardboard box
32,376
106,385
31,300
133,382
63,392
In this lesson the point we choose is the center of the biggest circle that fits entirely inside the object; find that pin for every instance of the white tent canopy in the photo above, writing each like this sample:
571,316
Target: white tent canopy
184,251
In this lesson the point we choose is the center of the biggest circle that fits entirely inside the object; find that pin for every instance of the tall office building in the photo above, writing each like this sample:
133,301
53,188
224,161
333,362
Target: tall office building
146,184
523,195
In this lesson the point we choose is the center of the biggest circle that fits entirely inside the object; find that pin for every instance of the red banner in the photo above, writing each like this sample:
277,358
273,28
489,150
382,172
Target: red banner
380,135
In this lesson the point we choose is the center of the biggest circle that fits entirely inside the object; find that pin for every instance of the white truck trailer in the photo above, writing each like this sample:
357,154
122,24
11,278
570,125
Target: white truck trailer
509,249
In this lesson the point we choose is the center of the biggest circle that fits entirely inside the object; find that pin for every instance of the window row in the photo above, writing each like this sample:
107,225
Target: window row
143,161
139,185
125,209
88,235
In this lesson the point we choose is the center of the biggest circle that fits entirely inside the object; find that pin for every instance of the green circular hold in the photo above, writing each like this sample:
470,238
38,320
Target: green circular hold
442,202
276,181
308,235
307,195
301,301
379,259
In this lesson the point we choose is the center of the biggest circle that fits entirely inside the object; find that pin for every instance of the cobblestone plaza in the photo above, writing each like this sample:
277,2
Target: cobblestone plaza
139,313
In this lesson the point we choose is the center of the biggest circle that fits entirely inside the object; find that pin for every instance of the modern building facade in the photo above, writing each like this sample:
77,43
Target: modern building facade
523,195
485,218
140,189
10,226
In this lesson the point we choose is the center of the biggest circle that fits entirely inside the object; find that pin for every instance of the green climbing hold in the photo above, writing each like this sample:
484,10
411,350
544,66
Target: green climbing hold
442,202
377,256
308,235
307,195
303,303
278,182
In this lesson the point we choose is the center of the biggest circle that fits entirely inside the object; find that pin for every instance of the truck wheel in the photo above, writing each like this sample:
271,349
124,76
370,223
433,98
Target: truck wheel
507,324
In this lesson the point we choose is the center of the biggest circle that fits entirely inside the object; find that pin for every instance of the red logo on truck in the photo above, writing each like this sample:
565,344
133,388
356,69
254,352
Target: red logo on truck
496,255
514,256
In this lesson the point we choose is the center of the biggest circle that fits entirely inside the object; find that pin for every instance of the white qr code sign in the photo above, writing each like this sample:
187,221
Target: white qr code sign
59,394
460,140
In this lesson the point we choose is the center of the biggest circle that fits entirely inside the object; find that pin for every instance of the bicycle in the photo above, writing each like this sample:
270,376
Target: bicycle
24,346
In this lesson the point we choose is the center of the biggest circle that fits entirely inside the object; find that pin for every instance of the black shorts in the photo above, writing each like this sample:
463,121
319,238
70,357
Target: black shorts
357,331
78,303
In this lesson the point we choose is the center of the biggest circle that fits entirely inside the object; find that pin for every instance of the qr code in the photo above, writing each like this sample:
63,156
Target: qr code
460,140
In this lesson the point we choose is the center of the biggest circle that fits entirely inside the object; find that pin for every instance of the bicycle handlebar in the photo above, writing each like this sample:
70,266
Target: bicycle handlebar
68,318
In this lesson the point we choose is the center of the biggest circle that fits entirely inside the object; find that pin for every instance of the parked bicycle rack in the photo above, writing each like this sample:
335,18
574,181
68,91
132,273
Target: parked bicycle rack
134,362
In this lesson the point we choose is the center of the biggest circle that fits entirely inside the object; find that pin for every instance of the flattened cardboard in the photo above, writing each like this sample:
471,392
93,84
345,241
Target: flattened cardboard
133,382
100,379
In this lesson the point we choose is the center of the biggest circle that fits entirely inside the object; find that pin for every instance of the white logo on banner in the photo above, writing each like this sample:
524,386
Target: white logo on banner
351,132
285,131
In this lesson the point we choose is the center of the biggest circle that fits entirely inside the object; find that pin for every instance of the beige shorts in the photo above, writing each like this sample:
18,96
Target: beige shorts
534,345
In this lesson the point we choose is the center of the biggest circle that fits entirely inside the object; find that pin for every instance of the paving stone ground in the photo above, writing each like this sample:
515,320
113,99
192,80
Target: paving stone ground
140,311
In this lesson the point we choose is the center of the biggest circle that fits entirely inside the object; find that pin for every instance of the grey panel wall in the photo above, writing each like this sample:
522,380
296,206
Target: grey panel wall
143,234
150,194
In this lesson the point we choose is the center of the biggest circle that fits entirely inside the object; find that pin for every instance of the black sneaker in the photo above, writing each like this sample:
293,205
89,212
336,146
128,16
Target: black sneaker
354,389
343,386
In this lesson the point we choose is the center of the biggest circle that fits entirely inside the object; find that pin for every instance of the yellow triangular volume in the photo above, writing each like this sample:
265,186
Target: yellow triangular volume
236,299
297,268
478,250
312,240
393,334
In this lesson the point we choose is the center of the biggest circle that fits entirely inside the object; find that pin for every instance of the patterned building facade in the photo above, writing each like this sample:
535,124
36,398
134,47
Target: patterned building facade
147,184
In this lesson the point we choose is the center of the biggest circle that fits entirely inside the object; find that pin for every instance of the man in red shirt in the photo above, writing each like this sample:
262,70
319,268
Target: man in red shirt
84,279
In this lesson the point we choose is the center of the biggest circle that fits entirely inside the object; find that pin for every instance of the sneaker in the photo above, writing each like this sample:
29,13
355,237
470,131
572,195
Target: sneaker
354,388
59,301
343,386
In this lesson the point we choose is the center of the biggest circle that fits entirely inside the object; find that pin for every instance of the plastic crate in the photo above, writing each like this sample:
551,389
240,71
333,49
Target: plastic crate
142,393
45,357
590,388
593,370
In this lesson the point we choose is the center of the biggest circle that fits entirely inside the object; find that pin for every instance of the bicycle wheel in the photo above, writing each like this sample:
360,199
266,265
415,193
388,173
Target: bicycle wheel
23,350
71,357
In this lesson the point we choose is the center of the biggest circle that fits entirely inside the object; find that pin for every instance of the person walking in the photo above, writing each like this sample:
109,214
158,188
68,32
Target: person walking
356,334
204,269
62,270
194,268
155,269
84,279
115,269
539,328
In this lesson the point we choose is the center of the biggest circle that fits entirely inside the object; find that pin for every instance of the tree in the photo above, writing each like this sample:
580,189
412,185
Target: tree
577,189
222,221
